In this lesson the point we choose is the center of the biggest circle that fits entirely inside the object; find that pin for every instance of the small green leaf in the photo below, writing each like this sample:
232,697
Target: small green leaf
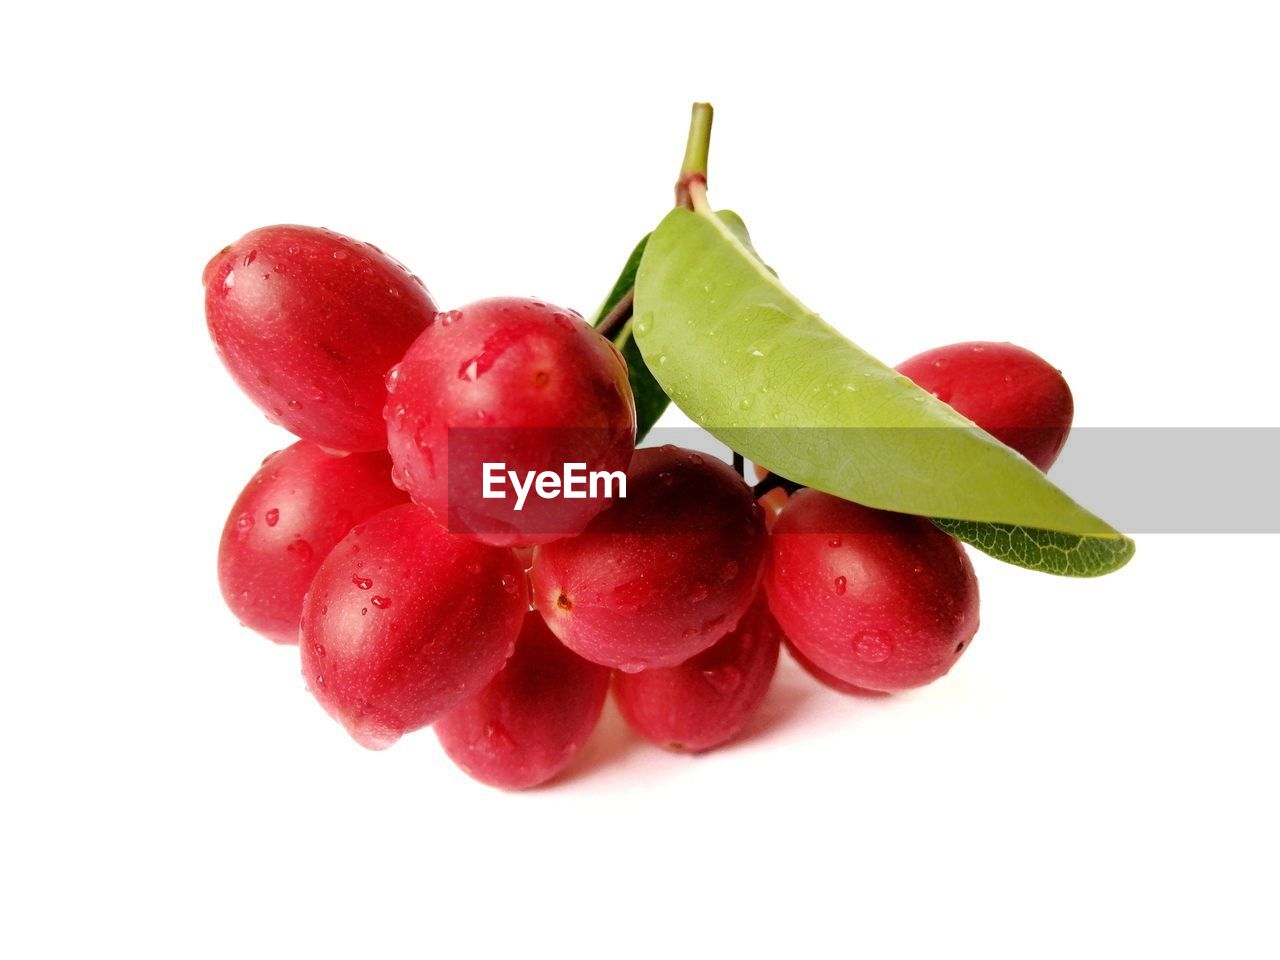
738,352
623,285
650,399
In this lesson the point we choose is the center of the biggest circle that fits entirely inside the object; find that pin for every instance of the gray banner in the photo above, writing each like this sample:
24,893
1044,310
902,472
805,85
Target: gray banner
1139,479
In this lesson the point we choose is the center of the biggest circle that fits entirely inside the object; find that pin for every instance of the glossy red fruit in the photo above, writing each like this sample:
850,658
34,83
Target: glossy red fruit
298,505
709,698
405,621
308,322
532,718
1014,395
660,576
516,382
880,600
824,678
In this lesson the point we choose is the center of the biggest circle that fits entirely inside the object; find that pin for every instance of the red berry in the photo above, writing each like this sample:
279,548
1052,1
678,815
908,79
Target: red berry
405,621
880,600
532,718
514,382
709,698
308,323
298,505
1011,393
662,574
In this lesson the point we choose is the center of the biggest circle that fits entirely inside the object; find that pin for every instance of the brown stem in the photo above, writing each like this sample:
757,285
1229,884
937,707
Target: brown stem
613,321
772,481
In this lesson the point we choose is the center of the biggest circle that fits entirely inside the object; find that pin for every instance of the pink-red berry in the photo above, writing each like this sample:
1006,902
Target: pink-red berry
882,601
293,511
530,720
405,621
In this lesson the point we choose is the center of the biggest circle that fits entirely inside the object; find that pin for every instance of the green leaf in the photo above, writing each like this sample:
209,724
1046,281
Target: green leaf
650,398
739,353
622,286
1065,554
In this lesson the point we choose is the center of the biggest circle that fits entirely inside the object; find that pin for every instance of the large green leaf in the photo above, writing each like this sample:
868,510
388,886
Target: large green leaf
650,399
751,364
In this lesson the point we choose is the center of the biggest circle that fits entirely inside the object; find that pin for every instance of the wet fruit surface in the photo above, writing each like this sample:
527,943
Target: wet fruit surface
404,622
293,511
879,600
708,699
308,322
661,575
531,719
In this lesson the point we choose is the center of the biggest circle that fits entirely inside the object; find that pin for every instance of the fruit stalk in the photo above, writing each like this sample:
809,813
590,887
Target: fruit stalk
693,172
690,189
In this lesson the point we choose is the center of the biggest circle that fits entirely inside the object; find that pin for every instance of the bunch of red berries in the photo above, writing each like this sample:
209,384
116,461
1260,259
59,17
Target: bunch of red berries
418,598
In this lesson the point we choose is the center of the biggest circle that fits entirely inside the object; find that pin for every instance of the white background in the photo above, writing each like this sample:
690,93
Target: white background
1097,181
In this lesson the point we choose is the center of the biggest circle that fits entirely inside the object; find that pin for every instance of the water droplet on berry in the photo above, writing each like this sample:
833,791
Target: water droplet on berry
723,679
244,522
871,648
834,542
508,581
633,666
295,404
840,586
393,377
372,733
381,602
449,316
229,280
272,517
339,254
300,550
364,583
320,679
497,738
666,478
